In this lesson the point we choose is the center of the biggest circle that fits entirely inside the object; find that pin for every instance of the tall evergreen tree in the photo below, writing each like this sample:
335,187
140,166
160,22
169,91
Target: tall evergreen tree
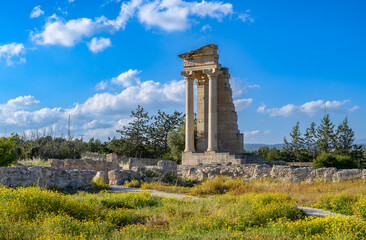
325,135
163,124
344,138
294,150
135,135
310,141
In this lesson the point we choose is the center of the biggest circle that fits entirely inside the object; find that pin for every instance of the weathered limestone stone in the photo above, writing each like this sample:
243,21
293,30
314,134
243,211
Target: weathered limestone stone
347,174
167,167
112,157
140,162
325,174
103,175
118,177
278,172
46,177
83,164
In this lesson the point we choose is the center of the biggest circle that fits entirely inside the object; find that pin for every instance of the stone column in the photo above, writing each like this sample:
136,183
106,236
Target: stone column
189,114
212,112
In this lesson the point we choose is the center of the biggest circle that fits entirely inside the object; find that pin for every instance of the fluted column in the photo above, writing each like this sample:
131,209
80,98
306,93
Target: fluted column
189,114
212,112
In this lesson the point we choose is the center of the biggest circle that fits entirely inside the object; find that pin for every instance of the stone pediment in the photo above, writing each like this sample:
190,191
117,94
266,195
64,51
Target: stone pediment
203,56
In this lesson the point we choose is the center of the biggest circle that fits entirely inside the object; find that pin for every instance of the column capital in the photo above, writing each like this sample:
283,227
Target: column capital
212,72
188,75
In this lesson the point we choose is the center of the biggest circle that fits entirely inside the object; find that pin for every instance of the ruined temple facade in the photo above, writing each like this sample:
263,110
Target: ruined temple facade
217,125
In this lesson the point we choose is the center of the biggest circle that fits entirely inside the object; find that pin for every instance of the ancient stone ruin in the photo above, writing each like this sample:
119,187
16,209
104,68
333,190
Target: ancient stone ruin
219,139
219,150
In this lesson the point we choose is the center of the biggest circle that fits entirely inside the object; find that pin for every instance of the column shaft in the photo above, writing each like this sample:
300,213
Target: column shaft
189,116
212,113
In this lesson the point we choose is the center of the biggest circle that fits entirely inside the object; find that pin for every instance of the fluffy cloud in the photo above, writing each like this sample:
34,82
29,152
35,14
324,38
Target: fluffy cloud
58,31
99,116
174,15
309,108
127,79
36,12
148,93
12,53
242,104
99,44
22,102
169,15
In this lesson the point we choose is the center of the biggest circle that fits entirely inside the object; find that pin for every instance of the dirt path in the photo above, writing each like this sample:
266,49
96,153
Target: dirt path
308,210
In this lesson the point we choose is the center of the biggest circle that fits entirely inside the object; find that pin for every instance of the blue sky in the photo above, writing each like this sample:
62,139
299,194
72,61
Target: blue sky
96,60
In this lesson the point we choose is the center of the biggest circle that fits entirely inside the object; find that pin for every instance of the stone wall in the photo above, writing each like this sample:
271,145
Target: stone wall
83,164
45,177
282,173
224,158
94,156
140,162
118,177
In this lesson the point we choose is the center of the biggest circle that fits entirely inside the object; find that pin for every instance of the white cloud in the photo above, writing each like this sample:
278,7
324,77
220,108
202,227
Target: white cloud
101,85
99,44
36,12
174,15
169,15
59,32
206,28
309,108
246,17
127,79
148,93
127,11
12,53
99,116
242,104
23,102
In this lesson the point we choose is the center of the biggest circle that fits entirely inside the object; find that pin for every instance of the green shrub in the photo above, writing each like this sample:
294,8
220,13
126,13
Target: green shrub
133,184
99,184
337,161
345,162
7,152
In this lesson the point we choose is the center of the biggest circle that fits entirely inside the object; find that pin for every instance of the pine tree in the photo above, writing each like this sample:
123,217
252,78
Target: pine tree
135,135
344,138
163,124
294,150
310,141
325,135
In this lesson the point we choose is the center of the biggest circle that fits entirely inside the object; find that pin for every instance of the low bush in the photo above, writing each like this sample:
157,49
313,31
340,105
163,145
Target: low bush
99,184
133,184
337,161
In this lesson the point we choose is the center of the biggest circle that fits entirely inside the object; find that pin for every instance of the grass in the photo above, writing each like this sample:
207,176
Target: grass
34,213
35,162
303,193
230,209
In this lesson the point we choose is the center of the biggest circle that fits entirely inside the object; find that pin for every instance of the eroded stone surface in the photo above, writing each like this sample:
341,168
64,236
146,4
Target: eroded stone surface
46,177
277,172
